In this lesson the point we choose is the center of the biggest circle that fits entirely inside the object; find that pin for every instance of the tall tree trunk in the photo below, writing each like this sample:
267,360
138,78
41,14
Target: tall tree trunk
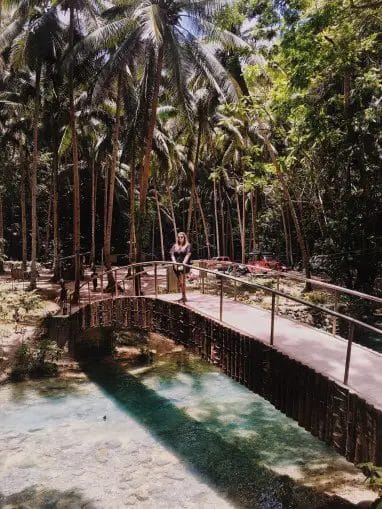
285,230
76,175
159,224
145,171
2,241
231,236
113,171
105,201
193,182
243,229
205,226
33,180
216,220
23,212
287,219
145,168
223,243
173,218
49,214
132,244
240,223
253,198
56,231
93,211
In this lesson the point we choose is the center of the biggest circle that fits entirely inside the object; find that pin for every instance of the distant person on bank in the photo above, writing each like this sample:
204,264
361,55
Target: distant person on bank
181,253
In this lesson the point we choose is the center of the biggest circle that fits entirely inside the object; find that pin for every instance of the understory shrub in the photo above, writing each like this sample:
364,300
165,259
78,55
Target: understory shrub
36,360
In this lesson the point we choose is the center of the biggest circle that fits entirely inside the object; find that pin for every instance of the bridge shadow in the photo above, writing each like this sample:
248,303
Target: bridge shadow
226,467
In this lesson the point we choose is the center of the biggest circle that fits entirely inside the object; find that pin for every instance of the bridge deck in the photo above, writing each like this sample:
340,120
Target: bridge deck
321,351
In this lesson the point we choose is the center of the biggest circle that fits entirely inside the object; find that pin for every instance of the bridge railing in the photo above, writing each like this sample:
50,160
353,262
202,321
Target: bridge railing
137,270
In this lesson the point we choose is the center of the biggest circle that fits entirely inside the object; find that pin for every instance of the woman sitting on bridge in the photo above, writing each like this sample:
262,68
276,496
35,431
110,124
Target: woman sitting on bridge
181,253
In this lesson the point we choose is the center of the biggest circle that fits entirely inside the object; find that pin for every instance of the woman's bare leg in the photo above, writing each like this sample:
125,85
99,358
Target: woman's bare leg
183,279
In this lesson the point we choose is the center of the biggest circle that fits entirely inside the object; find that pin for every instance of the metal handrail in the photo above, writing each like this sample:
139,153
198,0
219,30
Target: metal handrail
353,322
315,282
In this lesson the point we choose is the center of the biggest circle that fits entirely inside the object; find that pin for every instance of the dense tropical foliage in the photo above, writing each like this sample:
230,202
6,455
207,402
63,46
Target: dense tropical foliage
251,124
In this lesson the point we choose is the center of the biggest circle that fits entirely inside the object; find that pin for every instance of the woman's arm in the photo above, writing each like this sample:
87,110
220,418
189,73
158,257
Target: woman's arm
188,255
172,253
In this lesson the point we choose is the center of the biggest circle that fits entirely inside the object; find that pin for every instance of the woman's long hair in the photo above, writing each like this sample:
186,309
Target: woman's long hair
186,242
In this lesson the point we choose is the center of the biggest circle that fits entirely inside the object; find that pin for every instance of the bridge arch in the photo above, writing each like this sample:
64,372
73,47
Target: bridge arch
326,408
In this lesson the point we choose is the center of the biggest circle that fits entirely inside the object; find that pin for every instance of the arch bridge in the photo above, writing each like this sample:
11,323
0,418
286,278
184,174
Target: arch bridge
328,384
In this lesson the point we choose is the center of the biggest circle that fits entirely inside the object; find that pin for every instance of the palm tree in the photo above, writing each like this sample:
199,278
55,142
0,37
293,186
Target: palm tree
205,101
36,40
89,11
156,35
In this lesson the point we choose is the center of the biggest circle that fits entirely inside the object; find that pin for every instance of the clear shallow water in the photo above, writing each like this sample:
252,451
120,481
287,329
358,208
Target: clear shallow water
176,434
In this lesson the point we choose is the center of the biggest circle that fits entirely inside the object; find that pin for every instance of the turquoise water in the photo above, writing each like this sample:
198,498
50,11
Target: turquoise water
173,434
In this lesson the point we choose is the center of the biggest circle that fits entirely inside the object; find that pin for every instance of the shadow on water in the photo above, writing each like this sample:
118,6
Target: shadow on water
40,498
228,468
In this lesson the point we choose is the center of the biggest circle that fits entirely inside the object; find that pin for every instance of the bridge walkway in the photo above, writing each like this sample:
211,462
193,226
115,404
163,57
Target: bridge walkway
317,349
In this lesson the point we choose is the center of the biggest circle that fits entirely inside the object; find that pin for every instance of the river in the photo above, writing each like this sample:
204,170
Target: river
172,434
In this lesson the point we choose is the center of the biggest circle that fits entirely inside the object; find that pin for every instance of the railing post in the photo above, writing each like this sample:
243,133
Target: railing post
116,282
334,325
89,300
348,352
273,318
101,277
221,300
156,280
202,274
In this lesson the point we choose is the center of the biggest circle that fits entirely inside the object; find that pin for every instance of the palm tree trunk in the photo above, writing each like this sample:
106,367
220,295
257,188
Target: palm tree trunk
231,236
239,220
132,245
287,219
93,211
23,214
76,175
105,199
285,230
113,171
1,234
160,224
33,180
253,197
223,243
145,171
49,215
205,226
193,183
173,218
56,231
216,220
